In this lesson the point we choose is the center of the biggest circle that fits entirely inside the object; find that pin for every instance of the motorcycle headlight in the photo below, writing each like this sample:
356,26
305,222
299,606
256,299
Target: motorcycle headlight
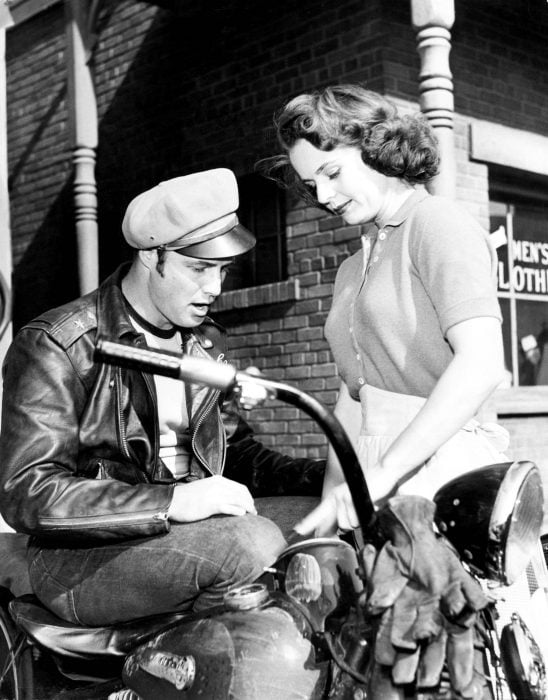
493,517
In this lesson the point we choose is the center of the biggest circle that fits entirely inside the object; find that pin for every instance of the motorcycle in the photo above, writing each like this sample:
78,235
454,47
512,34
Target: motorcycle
300,631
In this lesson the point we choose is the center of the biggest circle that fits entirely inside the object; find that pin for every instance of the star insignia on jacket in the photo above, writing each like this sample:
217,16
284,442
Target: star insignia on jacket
79,324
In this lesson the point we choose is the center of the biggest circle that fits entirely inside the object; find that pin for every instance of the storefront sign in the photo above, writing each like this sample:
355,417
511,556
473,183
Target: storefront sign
529,269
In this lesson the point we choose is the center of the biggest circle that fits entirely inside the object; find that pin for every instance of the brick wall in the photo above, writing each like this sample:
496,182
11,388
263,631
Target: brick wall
39,164
195,87
499,63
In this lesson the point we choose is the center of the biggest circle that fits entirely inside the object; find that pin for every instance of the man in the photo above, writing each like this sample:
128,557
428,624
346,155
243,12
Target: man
138,492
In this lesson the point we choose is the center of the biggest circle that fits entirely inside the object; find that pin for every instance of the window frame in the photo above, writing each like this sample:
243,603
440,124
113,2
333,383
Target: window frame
508,194
254,190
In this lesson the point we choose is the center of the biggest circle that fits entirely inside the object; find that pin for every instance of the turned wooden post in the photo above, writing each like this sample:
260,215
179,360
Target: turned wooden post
432,20
84,137
5,227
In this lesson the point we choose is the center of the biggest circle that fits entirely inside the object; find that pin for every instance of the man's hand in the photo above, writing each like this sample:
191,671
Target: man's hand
216,495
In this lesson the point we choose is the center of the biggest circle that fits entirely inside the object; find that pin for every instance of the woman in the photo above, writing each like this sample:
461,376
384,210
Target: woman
415,325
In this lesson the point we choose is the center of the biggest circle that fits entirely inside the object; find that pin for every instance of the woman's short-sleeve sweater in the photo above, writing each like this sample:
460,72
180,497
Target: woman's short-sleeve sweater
431,266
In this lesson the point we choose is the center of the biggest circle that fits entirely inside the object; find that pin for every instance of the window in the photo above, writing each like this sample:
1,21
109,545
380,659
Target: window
519,225
262,211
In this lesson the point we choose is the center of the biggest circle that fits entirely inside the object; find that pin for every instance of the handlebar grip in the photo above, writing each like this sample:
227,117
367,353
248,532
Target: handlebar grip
190,369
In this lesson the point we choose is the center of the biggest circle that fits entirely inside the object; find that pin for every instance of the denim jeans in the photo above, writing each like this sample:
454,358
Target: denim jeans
189,568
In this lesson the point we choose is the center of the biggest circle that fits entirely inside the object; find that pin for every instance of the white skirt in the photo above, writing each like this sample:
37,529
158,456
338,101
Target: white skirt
385,414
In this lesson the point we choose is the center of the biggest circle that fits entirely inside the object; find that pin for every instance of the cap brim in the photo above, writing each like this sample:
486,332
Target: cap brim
234,242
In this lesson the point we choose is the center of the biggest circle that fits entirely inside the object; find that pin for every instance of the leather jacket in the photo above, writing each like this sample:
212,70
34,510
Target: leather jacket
80,440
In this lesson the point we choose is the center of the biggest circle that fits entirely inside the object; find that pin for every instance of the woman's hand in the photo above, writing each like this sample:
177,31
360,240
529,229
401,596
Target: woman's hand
216,495
336,511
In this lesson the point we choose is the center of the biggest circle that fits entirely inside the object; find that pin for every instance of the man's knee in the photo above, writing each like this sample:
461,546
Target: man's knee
245,546
250,543
258,539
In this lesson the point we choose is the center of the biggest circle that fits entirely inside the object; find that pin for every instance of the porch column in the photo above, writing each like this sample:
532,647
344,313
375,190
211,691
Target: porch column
82,107
432,20
5,228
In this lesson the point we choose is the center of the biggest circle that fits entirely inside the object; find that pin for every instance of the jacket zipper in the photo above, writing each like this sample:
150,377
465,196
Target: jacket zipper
122,428
152,394
92,520
197,425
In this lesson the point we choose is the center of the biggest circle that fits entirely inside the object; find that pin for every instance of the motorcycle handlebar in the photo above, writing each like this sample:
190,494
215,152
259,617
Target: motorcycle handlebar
186,368
226,378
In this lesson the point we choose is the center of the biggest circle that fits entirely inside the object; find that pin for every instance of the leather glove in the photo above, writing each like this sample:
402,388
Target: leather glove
427,601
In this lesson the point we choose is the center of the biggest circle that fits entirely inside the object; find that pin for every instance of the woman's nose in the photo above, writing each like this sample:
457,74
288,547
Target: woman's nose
324,192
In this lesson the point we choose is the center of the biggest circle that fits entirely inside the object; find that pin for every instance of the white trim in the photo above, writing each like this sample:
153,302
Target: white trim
5,229
512,148
21,10
520,296
521,400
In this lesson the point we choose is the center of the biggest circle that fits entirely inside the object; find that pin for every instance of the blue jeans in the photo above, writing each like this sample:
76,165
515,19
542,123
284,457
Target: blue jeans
189,568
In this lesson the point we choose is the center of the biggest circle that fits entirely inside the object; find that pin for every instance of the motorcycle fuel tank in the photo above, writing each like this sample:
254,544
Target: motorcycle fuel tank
257,646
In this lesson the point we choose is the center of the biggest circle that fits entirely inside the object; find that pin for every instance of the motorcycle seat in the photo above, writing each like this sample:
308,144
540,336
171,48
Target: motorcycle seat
82,642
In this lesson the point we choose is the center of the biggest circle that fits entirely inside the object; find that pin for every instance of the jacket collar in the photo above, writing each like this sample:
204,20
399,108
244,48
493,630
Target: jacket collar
112,318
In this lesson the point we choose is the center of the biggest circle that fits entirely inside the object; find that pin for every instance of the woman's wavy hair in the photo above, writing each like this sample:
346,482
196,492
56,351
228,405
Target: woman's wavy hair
403,146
